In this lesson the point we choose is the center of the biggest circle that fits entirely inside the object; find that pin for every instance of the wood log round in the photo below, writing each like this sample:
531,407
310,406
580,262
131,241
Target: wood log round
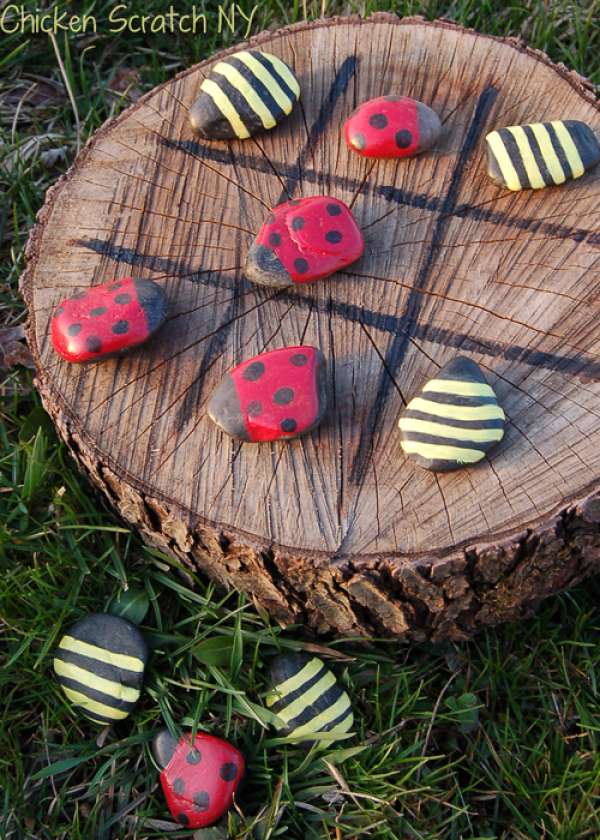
339,530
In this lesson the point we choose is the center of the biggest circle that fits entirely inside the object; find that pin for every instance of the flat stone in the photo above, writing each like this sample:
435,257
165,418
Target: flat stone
245,93
107,320
455,419
100,665
304,240
274,396
306,697
537,155
392,127
199,778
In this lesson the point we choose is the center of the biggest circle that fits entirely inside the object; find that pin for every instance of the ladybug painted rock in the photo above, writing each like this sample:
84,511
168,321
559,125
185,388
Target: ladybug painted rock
108,319
199,778
303,240
280,394
392,127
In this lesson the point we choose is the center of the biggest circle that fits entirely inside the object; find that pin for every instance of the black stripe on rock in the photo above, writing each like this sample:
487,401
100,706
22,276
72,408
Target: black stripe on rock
132,679
539,157
560,152
262,90
457,399
421,437
323,702
298,692
450,421
97,718
336,721
111,633
515,156
99,696
287,665
247,114
585,140
280,81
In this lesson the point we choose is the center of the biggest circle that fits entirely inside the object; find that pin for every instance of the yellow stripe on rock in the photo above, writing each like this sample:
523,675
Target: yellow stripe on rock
285,72
233,75
500,152
307,699
305,674
440,452
459,387
269,81
330,714
413,424
527,156
456,412
548,153
119,660
87,678
94,705
226,107
570,149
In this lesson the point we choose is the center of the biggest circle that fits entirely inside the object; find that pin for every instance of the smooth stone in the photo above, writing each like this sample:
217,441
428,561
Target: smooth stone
247,92
306,697
304,240
537,155
108,320
100,665
199,778
392,127
455,419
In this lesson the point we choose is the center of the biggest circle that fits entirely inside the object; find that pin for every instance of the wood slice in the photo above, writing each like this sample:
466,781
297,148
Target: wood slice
339,530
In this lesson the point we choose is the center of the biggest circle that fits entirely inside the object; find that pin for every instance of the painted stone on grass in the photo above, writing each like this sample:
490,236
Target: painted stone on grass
100,665
199,778
274,396
523,157
108,320
392,127
306,697
247,92
304,240
455,419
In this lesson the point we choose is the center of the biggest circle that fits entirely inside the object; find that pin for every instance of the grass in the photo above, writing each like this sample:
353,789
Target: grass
497,738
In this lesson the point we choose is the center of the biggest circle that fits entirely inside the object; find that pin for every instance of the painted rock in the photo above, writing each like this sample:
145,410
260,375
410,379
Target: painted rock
277,395
524,157
304,240
245,93
107,320
306,697
392,127
199,778
454,421
100,666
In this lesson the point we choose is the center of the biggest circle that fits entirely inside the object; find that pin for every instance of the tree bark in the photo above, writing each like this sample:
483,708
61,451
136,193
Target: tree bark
339,530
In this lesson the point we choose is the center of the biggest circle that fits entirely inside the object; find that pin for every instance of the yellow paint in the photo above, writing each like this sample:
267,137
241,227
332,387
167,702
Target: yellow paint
331,713
509,173
441,452
285,73
412,424
311,696
457,386
566,141
305,674
528,158
226,107
80,675
233,75
119,660
547,149
457,412
93,705
269,81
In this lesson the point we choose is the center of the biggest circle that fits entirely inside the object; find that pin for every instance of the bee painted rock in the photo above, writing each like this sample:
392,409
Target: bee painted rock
277,395
392,127
108,319
304,240
306,697
454,421
199,778
523,157
245,93
100,665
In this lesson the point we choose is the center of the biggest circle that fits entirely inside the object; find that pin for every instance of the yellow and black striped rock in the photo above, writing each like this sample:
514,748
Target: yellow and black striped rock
454,420
100,665
529,157
247,92
306,697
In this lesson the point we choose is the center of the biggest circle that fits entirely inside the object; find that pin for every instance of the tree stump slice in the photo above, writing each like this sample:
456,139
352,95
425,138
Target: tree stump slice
339,530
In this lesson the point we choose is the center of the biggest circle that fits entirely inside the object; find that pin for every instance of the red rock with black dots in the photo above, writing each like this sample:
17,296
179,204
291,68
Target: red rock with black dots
304,240
277,395
108,319
392,127
199,778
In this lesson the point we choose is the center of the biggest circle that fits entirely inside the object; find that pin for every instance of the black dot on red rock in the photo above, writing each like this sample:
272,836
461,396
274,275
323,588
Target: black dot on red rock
123,298
378,121
93,344
98,311
201,800
283,396
228,771
74,329
121,327
358,141
183,818
179,785
193,757
333,236
274,239
403,138
334,209
254,371
297,223
299,359
300,265
254,408
288,425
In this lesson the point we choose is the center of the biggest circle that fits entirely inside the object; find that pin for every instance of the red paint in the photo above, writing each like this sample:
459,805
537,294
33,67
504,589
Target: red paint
281,371
386,127
79,325
199,791
328,240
